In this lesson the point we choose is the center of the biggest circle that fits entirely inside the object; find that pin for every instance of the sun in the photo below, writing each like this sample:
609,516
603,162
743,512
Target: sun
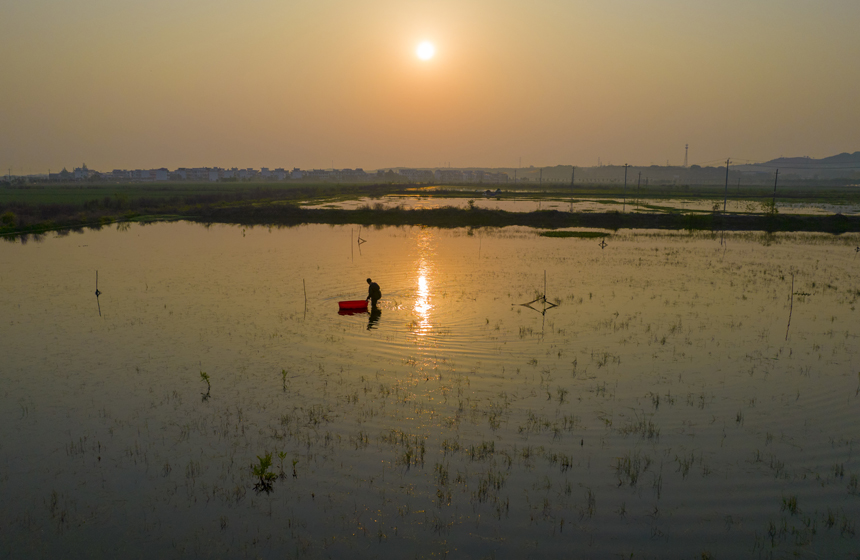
425,50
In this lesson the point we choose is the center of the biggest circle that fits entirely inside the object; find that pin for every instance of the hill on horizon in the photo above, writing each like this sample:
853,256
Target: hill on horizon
841,159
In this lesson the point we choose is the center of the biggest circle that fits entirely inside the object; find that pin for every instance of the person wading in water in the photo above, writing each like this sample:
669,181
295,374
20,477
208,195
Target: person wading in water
373,292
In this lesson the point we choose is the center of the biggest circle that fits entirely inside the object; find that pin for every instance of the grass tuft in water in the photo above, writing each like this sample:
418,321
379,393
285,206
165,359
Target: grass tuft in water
205,377
261,471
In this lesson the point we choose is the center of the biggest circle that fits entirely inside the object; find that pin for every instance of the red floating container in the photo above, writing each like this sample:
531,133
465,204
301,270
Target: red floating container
352,305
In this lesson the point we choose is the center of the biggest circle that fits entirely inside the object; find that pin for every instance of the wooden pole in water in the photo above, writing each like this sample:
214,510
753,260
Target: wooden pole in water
304,288
790,308
624,207
773,202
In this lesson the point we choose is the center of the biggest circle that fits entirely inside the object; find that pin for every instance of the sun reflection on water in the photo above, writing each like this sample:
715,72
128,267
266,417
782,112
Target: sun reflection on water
425,269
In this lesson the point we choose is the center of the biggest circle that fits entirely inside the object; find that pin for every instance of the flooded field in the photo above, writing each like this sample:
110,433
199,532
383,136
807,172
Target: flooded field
521,202
676,395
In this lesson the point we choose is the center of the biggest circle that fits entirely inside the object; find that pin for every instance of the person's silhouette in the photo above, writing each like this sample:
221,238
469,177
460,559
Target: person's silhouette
374,294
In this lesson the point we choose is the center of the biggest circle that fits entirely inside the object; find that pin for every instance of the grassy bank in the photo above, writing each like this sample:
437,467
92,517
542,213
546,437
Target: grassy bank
41,208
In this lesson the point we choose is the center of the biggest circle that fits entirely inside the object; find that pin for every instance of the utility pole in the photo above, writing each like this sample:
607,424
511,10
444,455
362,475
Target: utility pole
540,180
624,207
572,175
773,202
638,182
726,198
686,150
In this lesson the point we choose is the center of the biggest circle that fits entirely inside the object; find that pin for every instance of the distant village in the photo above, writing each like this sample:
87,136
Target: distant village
214,174
841,169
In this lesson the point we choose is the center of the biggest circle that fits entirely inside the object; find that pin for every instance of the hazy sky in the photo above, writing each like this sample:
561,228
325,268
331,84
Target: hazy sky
322,83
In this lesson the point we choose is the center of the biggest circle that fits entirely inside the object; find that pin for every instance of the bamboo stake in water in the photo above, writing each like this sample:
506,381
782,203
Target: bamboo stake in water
773,202
790,308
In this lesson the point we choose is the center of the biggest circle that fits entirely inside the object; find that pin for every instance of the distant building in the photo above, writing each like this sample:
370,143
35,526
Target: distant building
64,175
448,176
81,173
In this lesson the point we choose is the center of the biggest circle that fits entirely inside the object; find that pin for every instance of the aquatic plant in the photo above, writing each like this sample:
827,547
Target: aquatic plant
261,471
205,377
281,456
790,503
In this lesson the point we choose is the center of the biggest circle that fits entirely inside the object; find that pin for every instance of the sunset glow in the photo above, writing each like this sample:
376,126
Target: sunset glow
363,85
425,50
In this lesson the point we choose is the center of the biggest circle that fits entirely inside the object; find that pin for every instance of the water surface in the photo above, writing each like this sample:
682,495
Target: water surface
523,202
664,407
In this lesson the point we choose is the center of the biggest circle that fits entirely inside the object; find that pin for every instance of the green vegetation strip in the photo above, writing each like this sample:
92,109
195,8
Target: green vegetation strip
49,209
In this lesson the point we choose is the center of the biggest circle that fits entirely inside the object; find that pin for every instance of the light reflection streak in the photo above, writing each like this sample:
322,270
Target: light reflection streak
423,301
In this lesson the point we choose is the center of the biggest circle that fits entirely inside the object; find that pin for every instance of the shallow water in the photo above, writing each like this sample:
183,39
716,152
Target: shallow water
664,407
515,203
